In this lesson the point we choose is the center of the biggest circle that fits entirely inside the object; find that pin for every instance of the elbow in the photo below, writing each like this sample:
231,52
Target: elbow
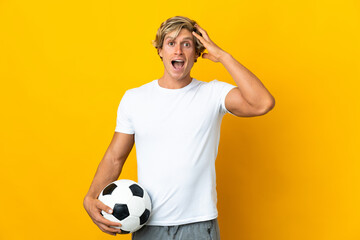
268,106
271,103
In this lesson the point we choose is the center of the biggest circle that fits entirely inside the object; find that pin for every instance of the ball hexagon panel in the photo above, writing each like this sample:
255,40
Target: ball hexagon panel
129,223
110,217
115,194
126,182
136,206
108,200
122,194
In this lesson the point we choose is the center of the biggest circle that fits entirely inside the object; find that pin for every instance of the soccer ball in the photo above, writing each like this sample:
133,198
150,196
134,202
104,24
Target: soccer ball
130,202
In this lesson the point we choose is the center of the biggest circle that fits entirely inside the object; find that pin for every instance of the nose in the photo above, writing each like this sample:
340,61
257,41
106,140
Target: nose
178,49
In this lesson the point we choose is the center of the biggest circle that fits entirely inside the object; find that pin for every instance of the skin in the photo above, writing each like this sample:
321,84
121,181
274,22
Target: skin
250,98
181,47
108,171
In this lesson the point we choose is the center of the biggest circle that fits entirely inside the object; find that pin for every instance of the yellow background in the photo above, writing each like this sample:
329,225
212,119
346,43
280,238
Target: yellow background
291,174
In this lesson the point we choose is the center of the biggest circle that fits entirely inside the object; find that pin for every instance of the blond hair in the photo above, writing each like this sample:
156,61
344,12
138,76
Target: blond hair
176,24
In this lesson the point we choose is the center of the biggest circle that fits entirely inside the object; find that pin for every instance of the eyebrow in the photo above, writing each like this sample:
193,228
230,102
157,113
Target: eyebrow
187,38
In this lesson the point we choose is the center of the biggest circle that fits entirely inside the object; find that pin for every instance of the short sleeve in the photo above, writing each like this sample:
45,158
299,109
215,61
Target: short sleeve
222,89
123,120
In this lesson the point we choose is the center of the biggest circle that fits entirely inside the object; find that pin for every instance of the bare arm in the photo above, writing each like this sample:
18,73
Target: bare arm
112,163
108,171
250,97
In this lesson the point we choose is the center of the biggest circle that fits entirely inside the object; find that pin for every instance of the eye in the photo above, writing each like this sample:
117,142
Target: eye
170,43
187,44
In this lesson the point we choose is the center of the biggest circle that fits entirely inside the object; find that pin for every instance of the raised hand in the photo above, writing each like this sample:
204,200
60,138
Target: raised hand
215,53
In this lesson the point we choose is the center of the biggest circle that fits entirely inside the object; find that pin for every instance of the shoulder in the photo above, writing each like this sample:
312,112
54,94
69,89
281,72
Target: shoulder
218,83
141,88
214,82
217,86
139,91
221,86
203,84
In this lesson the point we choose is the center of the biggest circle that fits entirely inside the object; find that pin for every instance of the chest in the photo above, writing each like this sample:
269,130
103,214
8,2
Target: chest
175,115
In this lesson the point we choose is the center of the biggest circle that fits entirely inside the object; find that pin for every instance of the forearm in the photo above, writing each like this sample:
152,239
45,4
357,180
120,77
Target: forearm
108,171
251,88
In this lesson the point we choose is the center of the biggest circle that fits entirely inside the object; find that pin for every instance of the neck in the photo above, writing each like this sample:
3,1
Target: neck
173,83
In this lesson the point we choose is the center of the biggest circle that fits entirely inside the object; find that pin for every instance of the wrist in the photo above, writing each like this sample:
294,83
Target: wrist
89,197
224,56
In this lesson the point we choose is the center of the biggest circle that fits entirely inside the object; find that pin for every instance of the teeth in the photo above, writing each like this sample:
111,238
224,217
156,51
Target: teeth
181,62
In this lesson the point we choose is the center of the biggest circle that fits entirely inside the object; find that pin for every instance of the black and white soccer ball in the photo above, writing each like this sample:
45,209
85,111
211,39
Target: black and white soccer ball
130,202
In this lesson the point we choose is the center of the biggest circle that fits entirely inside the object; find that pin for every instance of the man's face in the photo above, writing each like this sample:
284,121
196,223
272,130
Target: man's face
178,54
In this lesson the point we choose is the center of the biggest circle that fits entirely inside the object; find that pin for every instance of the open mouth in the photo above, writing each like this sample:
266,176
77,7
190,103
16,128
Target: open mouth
178,64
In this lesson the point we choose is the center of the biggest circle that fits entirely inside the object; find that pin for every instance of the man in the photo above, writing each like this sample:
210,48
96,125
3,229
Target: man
175,123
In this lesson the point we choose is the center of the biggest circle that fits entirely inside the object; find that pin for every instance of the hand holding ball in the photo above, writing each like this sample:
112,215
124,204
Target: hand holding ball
130,202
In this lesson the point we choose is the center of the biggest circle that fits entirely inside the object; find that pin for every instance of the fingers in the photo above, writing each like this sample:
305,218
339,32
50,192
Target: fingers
100,205
202,40
109,230
214,52
94,207
99,218
203,32
107,226
205,55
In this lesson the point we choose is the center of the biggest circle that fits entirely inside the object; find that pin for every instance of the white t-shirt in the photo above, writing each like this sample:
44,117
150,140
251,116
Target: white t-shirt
177,134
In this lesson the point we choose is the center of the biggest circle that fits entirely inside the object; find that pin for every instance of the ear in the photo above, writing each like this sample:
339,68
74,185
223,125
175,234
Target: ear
196,56
160,52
